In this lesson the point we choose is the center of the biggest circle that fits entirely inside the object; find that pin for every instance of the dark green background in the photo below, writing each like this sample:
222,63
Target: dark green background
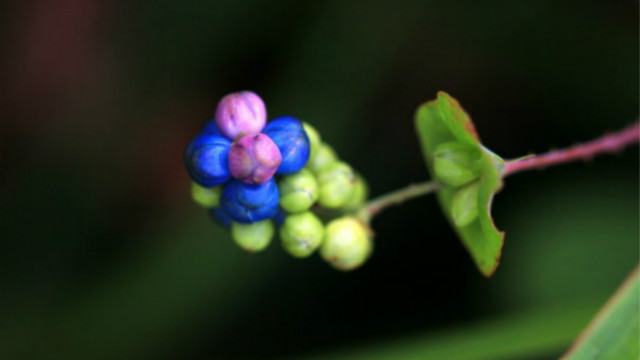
103,254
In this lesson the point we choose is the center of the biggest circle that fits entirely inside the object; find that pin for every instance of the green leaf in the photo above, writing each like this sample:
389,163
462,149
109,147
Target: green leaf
441,121
614,333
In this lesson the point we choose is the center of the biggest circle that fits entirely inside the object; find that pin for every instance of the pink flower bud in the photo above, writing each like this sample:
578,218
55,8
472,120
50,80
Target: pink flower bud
239,114
254,159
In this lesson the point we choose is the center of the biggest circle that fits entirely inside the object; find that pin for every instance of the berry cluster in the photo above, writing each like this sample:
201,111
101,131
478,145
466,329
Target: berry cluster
251,174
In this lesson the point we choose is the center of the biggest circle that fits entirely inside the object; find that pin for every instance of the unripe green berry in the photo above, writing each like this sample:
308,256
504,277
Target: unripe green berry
324,155
298,191
314,139
358,196
252,237
456,163
336,181
346,243
206,197
301,234
464,205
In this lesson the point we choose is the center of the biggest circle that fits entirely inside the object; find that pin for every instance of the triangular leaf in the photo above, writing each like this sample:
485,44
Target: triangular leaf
614,333
442,121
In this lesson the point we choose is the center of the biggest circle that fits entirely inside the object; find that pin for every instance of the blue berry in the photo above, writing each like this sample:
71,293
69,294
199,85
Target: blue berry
210,128
220,216
248,203
289,135
207,160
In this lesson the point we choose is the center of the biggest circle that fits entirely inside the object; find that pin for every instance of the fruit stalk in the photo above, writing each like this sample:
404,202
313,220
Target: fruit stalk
396,197
610,143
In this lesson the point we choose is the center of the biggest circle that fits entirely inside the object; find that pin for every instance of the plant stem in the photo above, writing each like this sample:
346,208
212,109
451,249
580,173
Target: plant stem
610,143
375,206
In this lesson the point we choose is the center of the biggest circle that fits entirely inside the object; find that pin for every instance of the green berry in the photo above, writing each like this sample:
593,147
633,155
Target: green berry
336,181
346,243
301,234
314,139
456,163
358,196
206,197
298,191
464,205
324,155
252,237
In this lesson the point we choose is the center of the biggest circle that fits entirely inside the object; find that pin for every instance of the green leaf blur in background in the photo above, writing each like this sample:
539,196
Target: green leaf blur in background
614,333
105,256
444,121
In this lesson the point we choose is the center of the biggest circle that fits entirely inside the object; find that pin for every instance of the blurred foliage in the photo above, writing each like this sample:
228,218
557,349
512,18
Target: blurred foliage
104,256
615,332
526,334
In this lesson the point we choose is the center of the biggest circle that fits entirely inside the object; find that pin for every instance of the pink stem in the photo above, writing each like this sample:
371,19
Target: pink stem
610,143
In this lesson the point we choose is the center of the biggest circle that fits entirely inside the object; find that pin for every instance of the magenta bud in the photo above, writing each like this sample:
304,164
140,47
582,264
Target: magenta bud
239,114
254,159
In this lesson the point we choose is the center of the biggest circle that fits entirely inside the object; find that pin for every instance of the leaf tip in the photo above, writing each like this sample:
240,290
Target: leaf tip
490,270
